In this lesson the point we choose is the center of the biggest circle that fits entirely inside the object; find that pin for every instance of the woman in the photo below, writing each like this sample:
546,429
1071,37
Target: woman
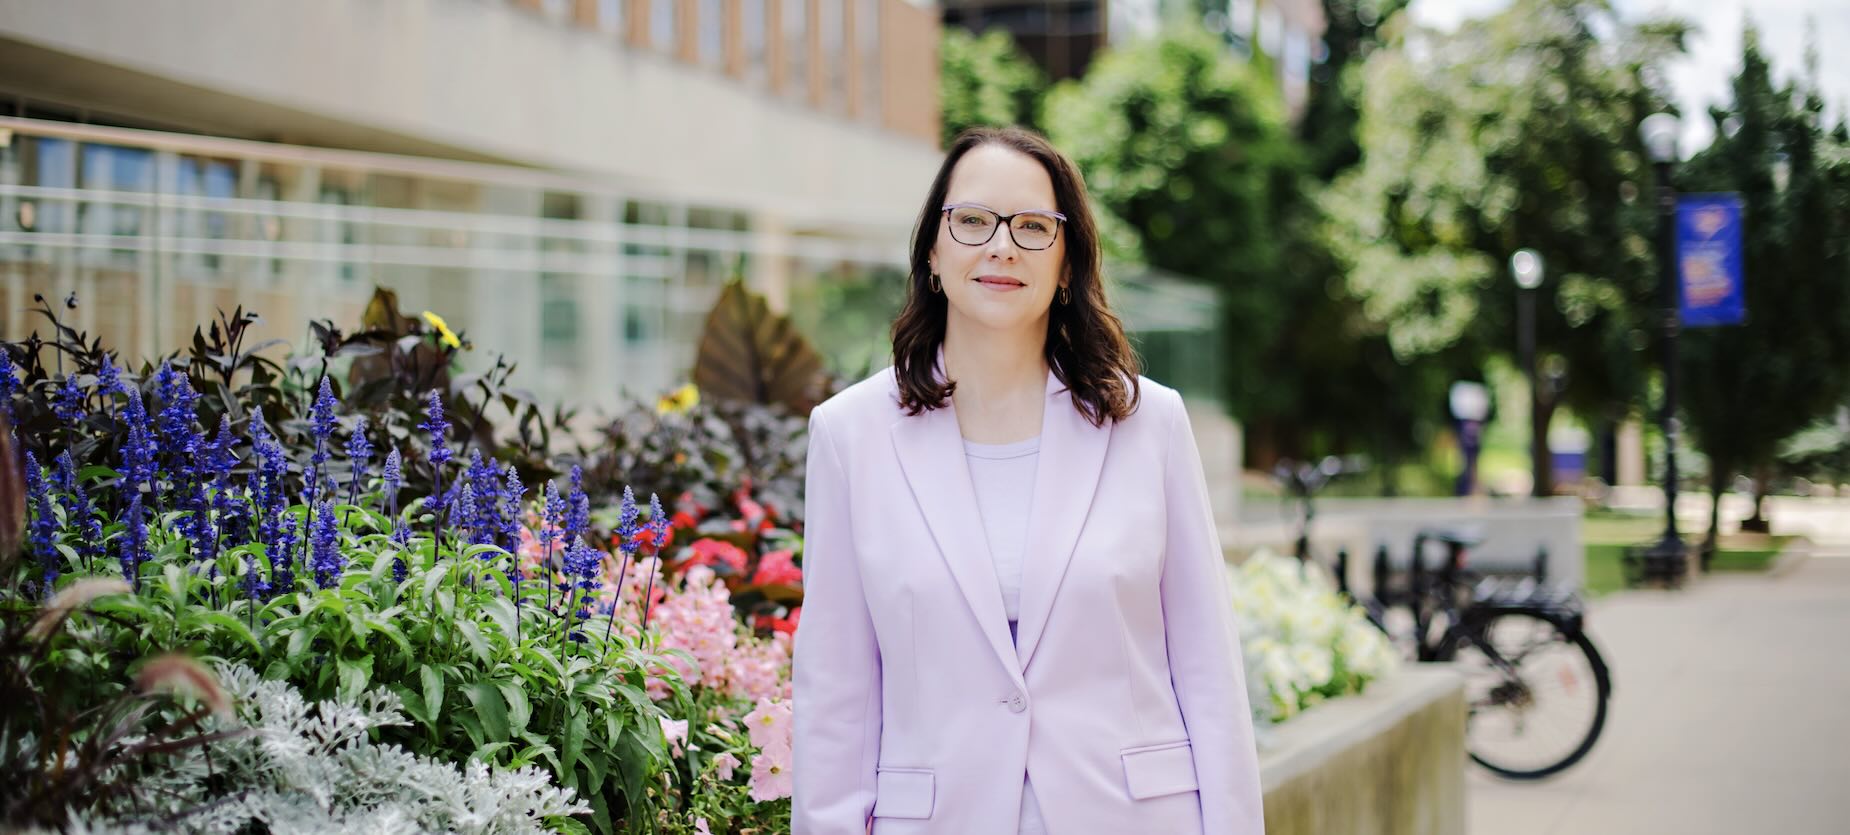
1016,617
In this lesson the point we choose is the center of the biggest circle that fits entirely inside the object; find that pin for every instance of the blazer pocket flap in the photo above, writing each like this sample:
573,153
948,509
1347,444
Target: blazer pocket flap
903,793
1156,770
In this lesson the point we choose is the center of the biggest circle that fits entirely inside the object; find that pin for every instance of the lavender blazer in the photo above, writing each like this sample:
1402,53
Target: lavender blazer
1123,697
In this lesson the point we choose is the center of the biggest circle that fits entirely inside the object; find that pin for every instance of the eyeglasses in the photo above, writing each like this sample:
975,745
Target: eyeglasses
973,225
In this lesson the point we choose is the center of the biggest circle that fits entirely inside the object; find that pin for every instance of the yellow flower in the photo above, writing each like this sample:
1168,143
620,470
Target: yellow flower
446,336
679,400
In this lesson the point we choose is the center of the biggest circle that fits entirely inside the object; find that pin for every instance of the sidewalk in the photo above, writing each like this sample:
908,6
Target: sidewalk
1730,713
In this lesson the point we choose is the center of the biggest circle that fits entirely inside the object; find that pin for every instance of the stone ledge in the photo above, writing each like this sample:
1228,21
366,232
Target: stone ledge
1388,762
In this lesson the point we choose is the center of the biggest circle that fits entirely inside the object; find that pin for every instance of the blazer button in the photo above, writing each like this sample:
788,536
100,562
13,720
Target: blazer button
1017,704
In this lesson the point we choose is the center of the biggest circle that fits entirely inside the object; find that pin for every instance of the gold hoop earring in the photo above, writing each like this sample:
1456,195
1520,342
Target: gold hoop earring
1065,297
936,285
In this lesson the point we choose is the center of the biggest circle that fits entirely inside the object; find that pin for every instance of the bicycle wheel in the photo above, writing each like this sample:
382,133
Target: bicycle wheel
1536,690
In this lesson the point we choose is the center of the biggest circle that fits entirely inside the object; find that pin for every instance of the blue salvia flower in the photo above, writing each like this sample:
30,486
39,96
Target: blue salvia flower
256,586
139,450
9,384
326,560
109,378
485,477
581,562
164,378
658,522
401,537
42,533
440,454
399,570
321,421
360,456
627,524
577,508
282,575
77,508
513,495
134,541
179,437
465,510
221,458
439,430
552,516
68,403
270,480
394,478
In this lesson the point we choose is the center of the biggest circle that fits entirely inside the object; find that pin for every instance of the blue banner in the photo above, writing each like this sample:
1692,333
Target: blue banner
1710,289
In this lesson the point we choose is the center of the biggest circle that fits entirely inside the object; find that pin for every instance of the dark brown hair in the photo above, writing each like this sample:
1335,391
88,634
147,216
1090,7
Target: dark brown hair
1086,346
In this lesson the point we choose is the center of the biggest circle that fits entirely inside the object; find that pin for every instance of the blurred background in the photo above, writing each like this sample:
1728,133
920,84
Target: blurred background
1432,242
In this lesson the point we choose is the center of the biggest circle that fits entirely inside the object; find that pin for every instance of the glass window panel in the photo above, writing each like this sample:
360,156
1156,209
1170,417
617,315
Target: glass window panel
752,28
662,24
795,31
712,23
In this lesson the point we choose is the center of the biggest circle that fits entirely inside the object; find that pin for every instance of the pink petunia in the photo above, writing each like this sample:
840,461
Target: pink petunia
771,777
675,731
724,764
700,827
770,723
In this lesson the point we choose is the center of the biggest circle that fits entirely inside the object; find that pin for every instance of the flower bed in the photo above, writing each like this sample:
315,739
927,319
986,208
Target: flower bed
371,544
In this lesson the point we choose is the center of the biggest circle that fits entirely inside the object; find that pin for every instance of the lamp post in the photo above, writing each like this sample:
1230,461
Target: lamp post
1526,268
1666,561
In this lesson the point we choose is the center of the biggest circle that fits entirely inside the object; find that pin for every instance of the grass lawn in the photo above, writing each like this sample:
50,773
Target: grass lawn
1606,535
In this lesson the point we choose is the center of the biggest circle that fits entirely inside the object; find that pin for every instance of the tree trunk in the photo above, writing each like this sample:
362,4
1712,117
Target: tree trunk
1763,481
1541,413
1718,479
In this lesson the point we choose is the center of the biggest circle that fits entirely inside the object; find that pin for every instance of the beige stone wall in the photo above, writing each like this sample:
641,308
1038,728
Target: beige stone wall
1388,762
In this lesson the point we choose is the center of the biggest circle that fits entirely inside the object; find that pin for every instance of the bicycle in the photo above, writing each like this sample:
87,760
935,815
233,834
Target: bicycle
1536,687
1513,638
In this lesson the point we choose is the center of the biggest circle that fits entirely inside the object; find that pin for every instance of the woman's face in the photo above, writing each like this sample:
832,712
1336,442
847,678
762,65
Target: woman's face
999,285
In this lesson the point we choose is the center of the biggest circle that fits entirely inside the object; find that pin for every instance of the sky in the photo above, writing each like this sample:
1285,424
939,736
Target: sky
1702,77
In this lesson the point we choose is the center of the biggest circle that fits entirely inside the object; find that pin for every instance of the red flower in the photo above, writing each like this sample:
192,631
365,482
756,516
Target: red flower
787,625
711,552
776,568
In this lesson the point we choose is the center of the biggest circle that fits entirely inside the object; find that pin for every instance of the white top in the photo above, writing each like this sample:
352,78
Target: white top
1003,476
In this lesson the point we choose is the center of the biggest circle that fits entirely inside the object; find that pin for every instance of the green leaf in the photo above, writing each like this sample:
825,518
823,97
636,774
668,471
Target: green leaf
414,704
519,711
573,747
432,579
433,689
354,675
224,621
477,644
489,707
299,640
487,752
501,610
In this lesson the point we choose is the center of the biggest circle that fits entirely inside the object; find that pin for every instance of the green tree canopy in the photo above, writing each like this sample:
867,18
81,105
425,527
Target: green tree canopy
1748,388
1186,145
985,81
1514,131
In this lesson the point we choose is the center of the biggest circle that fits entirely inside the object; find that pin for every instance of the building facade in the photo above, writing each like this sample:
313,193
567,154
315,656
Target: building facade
571,181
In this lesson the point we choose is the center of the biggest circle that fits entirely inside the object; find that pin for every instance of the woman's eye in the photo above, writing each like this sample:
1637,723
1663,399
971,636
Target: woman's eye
1034,225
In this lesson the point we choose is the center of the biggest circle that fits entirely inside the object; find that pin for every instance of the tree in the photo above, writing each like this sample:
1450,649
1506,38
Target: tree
1186,145
1752,386
985,81
1515,131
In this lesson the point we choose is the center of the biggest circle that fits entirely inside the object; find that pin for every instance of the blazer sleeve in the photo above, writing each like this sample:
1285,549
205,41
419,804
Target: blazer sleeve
836,661
1204,645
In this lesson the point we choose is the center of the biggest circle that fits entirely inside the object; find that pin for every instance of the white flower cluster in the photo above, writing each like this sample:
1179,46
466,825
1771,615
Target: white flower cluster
1302,641
310,768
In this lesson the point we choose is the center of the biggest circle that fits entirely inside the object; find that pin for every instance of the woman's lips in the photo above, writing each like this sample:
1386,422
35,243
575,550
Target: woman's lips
1002,285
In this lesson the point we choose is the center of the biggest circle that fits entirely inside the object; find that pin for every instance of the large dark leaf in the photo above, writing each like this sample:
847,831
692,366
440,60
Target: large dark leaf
12,495
750,354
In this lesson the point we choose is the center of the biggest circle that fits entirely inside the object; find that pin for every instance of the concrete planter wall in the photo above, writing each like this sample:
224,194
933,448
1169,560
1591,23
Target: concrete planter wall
1513,530
1388,762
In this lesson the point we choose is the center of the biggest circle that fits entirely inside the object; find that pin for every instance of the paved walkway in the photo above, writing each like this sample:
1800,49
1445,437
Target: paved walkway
1730,714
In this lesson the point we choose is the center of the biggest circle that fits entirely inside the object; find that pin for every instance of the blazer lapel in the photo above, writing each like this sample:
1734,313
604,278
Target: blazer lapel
931,455
1065,480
